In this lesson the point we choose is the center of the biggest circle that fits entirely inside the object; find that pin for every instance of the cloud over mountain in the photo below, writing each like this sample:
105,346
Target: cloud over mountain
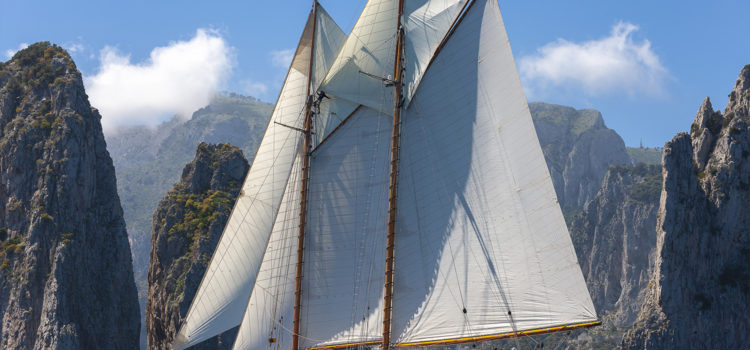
176,79
282,58
611,65
10,52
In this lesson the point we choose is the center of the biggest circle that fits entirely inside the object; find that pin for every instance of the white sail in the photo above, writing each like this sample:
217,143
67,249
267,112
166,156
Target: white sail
426,22
481,244
329,38
333,110
269,317
223,294
369,48
342,290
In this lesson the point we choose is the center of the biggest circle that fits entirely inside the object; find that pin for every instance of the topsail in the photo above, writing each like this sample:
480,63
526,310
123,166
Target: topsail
481,249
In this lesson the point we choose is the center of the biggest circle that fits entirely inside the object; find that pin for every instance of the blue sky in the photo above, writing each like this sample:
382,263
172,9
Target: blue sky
647,65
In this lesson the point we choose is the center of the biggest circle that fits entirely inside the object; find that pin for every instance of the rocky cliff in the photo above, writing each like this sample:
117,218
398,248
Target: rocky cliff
187,225
699,293
66,278
615,237
578,148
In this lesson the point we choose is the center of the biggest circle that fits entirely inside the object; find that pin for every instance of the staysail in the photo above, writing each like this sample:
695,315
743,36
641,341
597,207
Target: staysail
482,248
269,312
223,294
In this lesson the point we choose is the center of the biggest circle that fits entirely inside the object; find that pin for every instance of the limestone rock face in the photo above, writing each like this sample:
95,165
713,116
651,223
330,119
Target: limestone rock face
66,278
187,226
699,294
615,238
579,149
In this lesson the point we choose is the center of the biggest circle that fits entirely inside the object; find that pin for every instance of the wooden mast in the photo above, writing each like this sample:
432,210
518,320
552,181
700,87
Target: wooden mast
391,235
305,179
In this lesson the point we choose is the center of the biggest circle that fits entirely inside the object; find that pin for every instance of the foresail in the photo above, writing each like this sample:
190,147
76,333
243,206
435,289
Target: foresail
426,23
342,291
481,244
268,319
224,291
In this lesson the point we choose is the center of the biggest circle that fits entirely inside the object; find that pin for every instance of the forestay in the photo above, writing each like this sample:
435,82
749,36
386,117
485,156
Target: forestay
481,244
226,286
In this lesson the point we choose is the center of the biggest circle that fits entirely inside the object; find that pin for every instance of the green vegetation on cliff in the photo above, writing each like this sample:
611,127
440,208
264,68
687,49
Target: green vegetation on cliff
187,225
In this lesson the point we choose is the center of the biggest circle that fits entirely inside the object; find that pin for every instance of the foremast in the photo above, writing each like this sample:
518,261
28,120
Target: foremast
306,149
391,233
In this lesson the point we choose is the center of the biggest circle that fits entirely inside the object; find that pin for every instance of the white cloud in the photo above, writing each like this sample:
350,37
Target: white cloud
611,65
254,88
282,58
74,47
176,79
10,52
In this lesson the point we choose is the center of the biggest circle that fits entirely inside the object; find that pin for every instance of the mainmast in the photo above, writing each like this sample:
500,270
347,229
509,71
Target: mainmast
390,240
305,182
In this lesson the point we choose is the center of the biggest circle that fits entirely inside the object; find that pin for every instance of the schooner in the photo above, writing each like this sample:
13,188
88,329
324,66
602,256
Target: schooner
399,196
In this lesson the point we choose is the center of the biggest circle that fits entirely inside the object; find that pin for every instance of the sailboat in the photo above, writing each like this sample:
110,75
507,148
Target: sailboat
399,197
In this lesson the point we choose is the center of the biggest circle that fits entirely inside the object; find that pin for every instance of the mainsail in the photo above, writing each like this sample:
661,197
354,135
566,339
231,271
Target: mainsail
446,174
481,248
